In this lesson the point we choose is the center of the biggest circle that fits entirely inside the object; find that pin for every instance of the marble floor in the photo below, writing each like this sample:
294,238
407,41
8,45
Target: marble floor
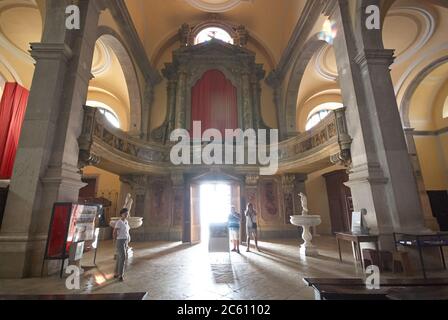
176,271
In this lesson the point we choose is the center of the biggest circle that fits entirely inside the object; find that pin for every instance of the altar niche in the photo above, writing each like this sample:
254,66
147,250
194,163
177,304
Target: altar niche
210,200
190,71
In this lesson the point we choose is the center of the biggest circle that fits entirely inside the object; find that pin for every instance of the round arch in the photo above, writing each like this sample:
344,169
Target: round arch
311,47
410,90
110,38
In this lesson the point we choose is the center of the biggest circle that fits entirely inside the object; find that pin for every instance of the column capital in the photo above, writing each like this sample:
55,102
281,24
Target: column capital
135,181
177,179
51,51
288,183
375,57
252,180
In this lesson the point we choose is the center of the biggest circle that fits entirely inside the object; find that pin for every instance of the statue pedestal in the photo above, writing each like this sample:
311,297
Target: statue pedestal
307,248
306,222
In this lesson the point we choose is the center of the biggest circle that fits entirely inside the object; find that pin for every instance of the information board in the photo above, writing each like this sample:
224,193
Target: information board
219,238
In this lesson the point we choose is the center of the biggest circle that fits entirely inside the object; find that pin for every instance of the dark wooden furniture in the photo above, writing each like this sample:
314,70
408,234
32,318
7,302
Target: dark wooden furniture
419,293
396,289
339,201
356,240
439,206
105,296
3,197
420,241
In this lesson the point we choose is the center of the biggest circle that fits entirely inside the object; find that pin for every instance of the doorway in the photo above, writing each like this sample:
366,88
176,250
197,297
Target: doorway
209,202
215,204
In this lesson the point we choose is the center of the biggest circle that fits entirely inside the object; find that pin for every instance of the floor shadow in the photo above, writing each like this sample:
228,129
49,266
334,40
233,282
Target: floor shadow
223,273
164,252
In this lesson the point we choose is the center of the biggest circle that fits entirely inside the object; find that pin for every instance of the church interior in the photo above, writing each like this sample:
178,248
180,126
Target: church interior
356,92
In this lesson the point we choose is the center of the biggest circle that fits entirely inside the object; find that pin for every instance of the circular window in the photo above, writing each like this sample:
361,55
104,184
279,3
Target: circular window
210,33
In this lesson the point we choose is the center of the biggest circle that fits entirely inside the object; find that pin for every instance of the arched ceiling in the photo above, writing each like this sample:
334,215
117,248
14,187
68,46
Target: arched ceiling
413,28
426,106
20,25
268,20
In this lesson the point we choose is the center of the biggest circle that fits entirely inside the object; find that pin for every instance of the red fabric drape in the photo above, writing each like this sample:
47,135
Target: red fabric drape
214,102
12,113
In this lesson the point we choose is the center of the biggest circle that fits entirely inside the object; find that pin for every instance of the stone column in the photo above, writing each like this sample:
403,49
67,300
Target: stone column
275,84
148,100
45,168
248,115
430,221
180,116
177,214
171,105
288,197
256,99
250,195
381,177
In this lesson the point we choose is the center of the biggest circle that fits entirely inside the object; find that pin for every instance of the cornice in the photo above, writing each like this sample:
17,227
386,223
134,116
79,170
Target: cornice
121,14
311,12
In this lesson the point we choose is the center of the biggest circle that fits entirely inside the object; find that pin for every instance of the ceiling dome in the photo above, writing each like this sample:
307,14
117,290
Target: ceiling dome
214,5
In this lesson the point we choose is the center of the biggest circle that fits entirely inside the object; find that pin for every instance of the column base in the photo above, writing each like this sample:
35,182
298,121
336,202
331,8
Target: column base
309,250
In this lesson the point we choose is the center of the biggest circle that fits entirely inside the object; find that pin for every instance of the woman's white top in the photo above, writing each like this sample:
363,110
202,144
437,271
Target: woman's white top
122,230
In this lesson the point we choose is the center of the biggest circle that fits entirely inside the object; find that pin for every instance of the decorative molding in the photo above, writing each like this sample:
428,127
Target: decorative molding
424,36
422,133
304,26
124,20
320,67
105,55
412,87
207,6
423,58
4,41
11,70
375,57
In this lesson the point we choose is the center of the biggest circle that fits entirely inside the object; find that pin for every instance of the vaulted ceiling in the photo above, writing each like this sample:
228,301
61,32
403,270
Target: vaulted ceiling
270,22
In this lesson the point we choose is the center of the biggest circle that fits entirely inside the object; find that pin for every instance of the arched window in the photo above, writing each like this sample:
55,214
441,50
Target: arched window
445,109
2,85
319,113
105,110
210,33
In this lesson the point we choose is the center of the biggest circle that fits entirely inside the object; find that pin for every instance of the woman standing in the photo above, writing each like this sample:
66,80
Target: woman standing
251,225
234,229
121,234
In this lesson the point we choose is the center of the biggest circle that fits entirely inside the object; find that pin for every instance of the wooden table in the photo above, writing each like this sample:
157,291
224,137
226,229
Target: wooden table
356,240
420,241
390,289
104,296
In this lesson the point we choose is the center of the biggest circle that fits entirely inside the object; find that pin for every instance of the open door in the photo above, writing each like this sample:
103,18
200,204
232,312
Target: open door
195,214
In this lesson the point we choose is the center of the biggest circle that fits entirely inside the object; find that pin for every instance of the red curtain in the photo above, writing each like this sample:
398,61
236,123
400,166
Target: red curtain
12,113
214,102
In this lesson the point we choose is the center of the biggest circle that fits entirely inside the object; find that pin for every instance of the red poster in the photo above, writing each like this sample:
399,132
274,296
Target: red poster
58,231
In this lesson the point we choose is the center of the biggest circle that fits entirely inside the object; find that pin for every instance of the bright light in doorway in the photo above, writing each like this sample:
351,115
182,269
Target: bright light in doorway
215,203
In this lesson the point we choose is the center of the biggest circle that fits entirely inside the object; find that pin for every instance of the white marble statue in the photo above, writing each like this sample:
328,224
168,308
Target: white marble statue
128,203
304,201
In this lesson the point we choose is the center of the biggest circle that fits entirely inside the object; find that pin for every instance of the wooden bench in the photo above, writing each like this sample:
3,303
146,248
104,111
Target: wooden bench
355,289
104,296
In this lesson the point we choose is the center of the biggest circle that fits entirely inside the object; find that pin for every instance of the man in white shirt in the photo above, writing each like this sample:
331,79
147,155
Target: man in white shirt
121,234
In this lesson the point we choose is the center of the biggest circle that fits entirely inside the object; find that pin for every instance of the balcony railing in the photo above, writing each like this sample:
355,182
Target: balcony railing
96,131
